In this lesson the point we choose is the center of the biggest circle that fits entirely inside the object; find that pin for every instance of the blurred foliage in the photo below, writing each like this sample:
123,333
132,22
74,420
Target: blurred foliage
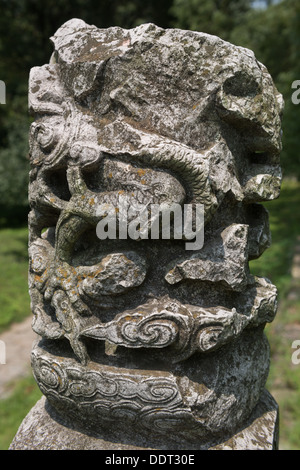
218,17
274,35
272,32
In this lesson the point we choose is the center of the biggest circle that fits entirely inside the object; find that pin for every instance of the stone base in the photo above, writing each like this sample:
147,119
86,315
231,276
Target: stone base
42,429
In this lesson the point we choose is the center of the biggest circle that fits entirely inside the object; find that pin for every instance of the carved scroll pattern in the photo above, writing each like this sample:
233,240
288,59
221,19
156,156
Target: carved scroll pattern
151,403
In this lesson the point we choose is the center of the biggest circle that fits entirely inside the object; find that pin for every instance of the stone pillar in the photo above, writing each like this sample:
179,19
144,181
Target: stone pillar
149,339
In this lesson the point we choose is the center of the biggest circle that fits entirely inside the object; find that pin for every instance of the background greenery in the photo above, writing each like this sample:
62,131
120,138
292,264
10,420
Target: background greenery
272,30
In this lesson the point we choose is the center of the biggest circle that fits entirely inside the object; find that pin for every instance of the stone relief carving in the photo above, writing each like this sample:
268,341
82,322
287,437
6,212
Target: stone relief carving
144,335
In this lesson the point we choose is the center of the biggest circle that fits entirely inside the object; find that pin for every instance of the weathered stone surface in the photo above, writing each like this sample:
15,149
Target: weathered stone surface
259,433
194,400
141,334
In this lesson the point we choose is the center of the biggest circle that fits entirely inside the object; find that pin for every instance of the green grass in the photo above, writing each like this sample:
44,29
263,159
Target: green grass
14,297
14,409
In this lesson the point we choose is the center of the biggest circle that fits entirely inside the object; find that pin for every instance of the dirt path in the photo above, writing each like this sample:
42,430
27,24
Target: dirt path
18,344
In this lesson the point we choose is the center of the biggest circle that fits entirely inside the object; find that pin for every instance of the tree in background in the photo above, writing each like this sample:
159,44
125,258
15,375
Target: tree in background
218,17
274,35
271,28
291,152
